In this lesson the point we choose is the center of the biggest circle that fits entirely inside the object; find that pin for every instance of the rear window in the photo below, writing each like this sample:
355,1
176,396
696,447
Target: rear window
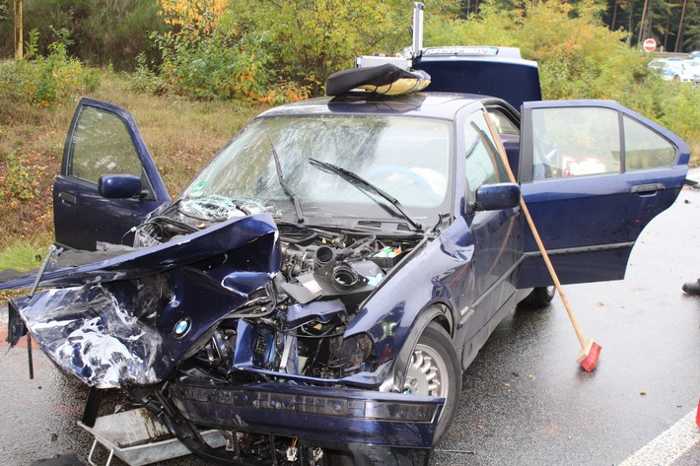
644,148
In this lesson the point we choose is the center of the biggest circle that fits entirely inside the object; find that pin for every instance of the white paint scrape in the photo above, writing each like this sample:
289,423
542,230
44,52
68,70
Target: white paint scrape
669,445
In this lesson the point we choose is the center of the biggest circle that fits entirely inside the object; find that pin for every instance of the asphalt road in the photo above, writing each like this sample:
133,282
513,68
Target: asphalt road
524,401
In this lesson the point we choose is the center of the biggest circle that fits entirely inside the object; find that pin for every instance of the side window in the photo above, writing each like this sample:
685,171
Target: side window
575,141
101,145
482,164
644,148
501,123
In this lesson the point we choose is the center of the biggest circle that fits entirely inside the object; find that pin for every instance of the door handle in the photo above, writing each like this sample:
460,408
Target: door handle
648,189
68,198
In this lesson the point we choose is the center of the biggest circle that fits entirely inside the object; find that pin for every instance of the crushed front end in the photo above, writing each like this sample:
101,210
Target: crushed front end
238,325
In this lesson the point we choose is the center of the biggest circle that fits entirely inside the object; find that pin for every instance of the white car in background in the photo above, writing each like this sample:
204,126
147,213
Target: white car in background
676,69
691,71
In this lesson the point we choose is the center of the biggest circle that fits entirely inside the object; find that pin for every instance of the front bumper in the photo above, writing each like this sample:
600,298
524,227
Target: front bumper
322,416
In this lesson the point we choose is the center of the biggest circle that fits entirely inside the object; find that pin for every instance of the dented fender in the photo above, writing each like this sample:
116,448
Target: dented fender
113,323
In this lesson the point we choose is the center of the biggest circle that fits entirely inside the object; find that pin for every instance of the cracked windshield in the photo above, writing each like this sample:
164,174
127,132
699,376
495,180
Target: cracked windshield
406,157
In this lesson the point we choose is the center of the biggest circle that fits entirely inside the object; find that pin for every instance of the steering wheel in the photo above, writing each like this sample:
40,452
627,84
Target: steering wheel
378,176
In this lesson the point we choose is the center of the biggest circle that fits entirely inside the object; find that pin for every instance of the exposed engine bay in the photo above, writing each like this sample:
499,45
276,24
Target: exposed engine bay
219,316
300,316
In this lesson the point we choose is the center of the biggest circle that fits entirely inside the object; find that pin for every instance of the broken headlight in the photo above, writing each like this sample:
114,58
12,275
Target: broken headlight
354,352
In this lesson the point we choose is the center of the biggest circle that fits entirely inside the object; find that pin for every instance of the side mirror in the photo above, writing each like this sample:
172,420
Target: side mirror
119,186
497,196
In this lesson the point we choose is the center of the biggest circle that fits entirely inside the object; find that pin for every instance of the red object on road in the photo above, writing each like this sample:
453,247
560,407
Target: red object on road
697,416
588,359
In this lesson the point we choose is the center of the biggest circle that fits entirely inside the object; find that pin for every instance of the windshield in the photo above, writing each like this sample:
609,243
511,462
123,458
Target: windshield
407,157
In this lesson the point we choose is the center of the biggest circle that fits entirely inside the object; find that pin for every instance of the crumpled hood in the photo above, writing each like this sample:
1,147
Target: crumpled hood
112,323
208,242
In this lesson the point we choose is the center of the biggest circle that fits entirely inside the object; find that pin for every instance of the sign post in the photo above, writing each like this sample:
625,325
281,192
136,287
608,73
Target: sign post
649,45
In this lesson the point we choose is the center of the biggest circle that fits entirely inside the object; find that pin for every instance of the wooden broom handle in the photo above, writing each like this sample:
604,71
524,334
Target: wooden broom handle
552,273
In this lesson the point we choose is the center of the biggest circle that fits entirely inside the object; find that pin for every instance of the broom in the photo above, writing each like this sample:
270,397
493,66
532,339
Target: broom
590,350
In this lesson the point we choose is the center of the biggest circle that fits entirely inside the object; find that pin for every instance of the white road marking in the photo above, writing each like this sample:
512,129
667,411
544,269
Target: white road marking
669,445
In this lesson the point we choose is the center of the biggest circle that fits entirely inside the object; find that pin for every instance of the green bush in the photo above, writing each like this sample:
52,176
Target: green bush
144,79
98,32
214,67
273,52
46,80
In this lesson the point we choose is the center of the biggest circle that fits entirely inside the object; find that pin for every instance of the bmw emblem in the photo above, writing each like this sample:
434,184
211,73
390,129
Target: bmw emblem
182,327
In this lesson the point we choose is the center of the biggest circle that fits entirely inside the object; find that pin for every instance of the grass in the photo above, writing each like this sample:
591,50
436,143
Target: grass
22,256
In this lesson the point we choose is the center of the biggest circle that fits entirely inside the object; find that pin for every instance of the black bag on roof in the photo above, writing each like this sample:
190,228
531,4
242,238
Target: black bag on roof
387,79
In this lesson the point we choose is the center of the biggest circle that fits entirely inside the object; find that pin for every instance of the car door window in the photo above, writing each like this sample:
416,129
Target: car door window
101,145
482,164
644,148
575,141
502,124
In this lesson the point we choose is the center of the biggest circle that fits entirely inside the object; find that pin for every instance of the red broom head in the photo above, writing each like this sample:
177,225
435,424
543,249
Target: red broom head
588,360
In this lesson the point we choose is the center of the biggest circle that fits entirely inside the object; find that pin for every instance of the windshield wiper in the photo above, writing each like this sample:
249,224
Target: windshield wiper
365,186
285,187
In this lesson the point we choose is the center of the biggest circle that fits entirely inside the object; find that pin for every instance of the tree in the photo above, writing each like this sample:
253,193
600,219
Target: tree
679,37
613,21
18,32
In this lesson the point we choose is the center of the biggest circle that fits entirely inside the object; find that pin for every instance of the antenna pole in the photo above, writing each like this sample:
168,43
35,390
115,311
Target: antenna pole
418,8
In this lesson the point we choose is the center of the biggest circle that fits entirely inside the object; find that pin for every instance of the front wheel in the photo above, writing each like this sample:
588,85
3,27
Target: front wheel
434,370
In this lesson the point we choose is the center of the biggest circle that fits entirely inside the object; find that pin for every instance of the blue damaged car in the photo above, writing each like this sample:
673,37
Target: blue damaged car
322,284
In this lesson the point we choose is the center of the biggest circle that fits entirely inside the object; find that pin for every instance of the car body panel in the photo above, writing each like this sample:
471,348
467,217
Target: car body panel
326,416
81,216
89,314
483,74
590,223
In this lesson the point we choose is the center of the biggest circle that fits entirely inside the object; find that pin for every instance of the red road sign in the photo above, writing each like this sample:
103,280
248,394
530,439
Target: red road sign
649,44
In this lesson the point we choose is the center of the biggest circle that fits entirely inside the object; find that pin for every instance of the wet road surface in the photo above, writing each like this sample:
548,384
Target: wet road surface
524,401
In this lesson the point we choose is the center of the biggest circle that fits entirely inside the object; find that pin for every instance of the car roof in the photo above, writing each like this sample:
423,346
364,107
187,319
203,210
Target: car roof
428,104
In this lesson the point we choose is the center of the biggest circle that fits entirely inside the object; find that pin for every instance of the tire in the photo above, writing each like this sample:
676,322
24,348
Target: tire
435,337
538,298
437,343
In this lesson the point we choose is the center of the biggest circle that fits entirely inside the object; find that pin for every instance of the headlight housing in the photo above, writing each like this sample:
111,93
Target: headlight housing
354,352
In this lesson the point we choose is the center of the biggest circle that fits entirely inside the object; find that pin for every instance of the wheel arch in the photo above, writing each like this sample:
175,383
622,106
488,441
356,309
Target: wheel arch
438,312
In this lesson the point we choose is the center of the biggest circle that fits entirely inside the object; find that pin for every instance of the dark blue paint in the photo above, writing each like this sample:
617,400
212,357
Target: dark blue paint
119,186
486,76
215,240
497,196
81,215
595,210
231,407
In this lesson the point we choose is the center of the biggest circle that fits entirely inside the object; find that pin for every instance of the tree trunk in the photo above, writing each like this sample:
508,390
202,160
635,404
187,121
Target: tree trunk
679,37
668,28
614,16
643,22
19,34
629,24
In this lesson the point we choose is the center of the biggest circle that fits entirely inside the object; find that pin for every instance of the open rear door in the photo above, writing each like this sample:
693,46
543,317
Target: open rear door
103,140
593,174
